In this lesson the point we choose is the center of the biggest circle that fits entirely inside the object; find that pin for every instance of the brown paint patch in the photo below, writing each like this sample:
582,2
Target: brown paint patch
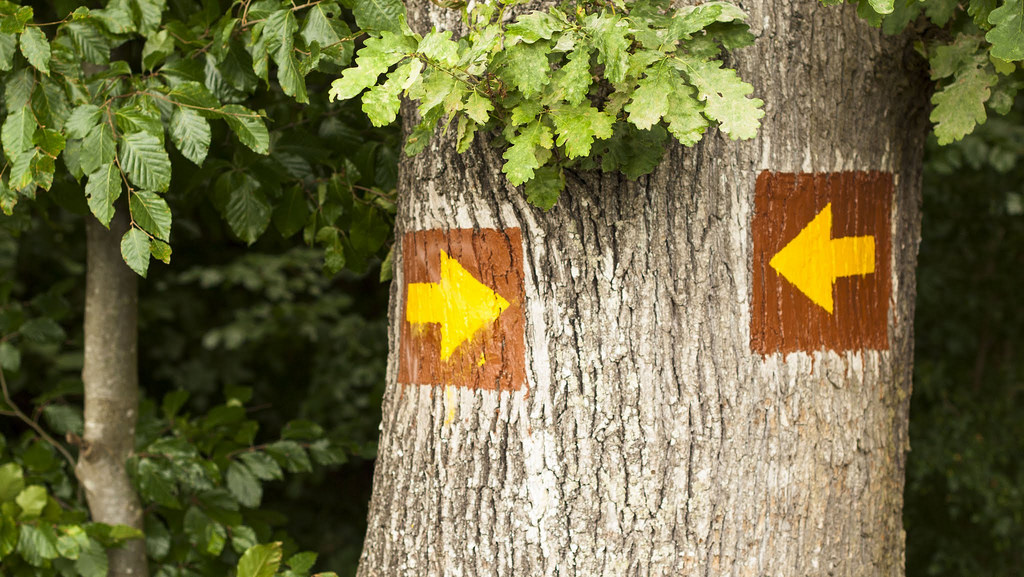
783,319
495,259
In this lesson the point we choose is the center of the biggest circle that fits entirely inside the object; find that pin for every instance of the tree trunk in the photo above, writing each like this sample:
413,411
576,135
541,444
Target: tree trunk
111,383
670,422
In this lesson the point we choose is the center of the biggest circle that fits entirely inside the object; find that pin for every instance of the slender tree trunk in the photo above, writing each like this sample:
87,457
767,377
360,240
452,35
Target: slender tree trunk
111,382
661,431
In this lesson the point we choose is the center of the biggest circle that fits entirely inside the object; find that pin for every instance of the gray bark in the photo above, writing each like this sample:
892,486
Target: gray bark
110,376
651,440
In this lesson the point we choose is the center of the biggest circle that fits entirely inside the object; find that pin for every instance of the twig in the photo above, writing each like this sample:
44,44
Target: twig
35,426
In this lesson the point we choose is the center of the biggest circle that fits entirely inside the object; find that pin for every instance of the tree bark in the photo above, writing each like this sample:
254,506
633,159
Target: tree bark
651,439
110,376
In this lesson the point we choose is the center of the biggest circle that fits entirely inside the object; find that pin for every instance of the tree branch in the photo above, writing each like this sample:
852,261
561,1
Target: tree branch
16,412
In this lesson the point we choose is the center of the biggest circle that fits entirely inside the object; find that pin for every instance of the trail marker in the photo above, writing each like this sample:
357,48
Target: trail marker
462,321
821,261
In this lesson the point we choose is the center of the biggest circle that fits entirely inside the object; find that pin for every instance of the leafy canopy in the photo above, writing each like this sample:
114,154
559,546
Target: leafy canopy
133,96
605,82
591,84
975,62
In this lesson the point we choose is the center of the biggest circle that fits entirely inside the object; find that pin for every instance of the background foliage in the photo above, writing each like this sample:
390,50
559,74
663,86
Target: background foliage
260,415
965,483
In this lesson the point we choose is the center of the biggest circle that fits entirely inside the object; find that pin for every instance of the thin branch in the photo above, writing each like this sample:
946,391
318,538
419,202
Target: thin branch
35,426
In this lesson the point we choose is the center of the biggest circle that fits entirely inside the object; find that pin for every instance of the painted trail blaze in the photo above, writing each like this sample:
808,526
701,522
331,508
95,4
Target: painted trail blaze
821,262
463,317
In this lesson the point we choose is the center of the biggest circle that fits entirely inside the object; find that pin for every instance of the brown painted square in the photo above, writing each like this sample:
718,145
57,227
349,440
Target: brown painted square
493,257
783,319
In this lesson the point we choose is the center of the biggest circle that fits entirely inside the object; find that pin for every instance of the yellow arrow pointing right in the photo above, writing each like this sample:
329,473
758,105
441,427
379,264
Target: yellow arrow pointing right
813,260
459,303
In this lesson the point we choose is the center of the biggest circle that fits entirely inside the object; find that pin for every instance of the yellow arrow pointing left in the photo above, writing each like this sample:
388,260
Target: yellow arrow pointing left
814,260
459,303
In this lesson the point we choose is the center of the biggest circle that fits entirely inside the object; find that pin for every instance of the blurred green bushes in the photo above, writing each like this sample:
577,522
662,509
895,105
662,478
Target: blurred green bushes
964,510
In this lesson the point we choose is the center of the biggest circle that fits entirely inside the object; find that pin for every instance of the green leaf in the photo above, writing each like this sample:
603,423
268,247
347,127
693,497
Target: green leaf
302,562
243,485
242,538
18,88
12,481
302,429
8,44
36,48
334,258
10,360
49,141
37,544
387,272
72,541
43,167
941,11
725,98
882,6
691,19
157,48
980,10
151,213
381,102
439,47
89,41
521,158
317,28
578,126
248,126
214,537
527,67
291,213
948,59
21,171
101,189
262,465
92,561
161,251
685,116
1007,33
478,107
138,119
573,80
533,27
545,188
433,92
98,148
372,60
135,252
147,14
145,161
959,106
190,133
32,501
8,199
158,538
379,15
64,419
632,151
248,212
525,113
17,131
609,34
50,103
42,330
649,101
194,95
291,456
291,79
